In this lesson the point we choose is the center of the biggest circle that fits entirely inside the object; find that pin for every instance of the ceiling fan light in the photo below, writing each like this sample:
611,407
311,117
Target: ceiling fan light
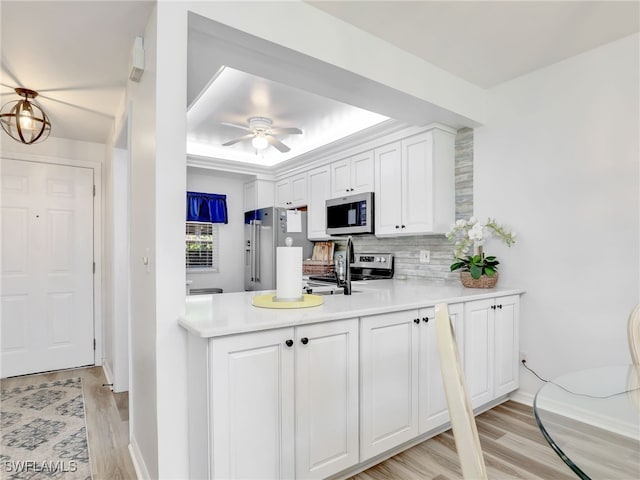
259,142
24,120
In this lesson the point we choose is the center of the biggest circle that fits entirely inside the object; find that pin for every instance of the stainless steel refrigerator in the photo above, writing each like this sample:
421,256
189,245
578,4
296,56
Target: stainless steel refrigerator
264,230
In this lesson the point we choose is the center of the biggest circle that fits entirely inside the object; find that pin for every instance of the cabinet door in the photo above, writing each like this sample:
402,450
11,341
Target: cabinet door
389,381
250,196
362,173
319,191
478,350
258,194
283,193
434,411
388,191
417,184
326,398
253,404
299,190
341,178
506,347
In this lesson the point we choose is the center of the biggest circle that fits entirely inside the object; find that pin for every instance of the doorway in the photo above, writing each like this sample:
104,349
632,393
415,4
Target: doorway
48,267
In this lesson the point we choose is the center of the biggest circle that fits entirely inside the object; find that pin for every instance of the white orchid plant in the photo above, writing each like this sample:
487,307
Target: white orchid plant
467,234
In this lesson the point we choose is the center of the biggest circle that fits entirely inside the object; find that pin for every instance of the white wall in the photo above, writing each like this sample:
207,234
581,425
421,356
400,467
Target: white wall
558,160
143,397
230,236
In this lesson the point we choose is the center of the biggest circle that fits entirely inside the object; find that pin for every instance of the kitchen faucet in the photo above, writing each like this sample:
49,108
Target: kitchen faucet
344,271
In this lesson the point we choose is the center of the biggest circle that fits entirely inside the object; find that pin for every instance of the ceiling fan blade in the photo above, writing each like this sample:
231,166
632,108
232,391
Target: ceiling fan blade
273,141
243,127
285,131
239,139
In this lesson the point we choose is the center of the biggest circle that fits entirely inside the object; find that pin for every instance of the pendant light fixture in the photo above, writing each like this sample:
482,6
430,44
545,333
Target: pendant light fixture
24,120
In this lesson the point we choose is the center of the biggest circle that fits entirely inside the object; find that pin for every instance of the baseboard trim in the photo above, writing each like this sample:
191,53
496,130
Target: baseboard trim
138,461
107,373
525,398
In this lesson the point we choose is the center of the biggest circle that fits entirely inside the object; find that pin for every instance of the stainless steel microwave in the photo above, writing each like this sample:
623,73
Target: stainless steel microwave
350,215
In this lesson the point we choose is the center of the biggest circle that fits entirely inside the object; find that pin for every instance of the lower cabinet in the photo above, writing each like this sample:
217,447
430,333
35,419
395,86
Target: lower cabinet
285,402
252,394
491,342
389,379
433,410
326,386
314,400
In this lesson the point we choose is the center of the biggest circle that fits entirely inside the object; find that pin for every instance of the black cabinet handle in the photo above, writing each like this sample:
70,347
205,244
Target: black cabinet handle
347,190
425,319
304,340
289,343
403,226
397,226
500,306
493,307
416,321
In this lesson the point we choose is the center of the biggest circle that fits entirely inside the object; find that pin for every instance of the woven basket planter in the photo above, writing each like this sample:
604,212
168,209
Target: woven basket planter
482,282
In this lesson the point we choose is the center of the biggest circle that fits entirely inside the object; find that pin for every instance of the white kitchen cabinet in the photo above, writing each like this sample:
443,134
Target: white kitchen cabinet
491,348
506,348
319,190
352,175
389,358
415,185
326,385
292,191
433,411
254,381
252,420
258,194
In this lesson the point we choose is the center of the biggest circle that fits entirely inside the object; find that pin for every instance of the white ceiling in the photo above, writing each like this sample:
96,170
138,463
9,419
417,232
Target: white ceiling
234,96
487,43
77,52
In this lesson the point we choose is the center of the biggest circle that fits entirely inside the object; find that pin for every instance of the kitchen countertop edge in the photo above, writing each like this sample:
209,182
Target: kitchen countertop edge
208,316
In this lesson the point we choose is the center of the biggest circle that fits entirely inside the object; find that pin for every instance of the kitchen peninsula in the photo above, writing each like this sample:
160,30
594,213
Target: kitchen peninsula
326,391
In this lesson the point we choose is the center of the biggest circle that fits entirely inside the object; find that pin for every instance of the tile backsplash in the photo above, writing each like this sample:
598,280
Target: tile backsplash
407,249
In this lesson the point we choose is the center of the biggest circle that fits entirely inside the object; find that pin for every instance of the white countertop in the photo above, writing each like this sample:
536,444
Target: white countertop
229,313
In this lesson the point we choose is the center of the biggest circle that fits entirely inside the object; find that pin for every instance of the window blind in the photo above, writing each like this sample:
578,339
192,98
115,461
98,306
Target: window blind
201,246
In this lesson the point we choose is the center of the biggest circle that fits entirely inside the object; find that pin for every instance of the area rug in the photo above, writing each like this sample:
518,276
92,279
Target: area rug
44,432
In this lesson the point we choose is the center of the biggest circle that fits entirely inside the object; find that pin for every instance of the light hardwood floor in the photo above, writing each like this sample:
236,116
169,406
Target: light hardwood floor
513,446
107,426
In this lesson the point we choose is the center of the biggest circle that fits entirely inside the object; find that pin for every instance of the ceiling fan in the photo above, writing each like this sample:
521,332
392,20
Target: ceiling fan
262,134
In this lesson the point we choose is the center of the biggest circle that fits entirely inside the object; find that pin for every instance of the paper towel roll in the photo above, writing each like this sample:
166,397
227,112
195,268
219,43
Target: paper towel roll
289,274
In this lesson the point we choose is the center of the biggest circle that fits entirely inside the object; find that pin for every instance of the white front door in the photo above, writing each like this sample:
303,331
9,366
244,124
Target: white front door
47,320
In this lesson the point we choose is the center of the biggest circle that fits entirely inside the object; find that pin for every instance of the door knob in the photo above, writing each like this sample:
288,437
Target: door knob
304,340
425,319
416,321
289,343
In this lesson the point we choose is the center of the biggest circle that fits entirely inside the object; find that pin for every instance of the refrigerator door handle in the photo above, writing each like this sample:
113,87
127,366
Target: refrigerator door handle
252,250
257,250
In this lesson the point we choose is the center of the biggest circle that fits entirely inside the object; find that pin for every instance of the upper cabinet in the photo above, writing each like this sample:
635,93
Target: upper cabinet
258,194
318,191
415,185
352,175
292,191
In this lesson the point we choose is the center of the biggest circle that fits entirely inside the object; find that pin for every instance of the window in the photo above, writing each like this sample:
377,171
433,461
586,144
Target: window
201,246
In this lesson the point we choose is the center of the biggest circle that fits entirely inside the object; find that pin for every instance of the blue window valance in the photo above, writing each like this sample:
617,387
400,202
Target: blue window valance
206,207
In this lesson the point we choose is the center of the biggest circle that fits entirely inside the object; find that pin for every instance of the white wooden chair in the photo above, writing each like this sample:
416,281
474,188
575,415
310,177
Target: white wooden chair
463,422
633,334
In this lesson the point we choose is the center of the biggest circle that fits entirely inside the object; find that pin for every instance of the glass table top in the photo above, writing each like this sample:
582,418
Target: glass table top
591,418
